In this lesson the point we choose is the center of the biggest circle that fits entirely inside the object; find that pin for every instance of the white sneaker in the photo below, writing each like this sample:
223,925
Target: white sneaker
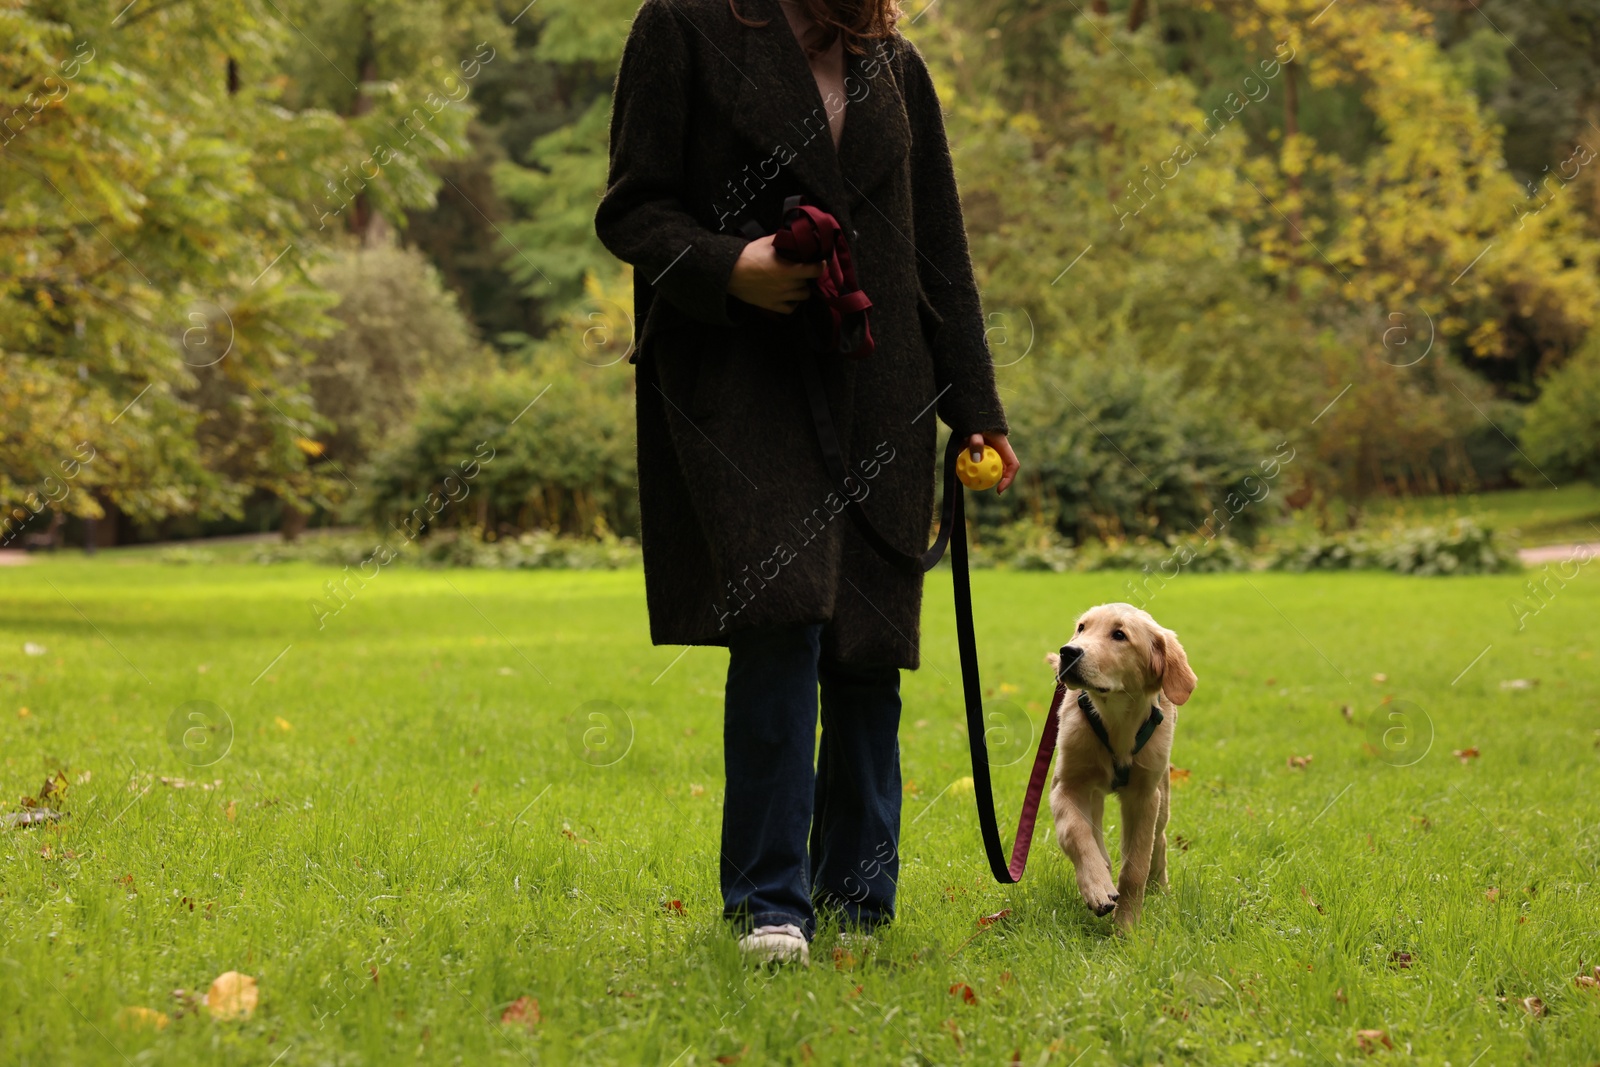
777,944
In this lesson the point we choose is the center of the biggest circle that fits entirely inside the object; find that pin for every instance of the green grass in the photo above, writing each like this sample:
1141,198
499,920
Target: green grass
1530,516
414,842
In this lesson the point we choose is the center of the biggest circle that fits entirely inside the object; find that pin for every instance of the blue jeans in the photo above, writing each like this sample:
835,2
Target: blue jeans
794,837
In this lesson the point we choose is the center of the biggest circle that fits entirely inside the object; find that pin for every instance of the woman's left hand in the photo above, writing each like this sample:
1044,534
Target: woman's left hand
998,442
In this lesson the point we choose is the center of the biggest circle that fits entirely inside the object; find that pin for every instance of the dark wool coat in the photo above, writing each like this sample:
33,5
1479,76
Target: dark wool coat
715,122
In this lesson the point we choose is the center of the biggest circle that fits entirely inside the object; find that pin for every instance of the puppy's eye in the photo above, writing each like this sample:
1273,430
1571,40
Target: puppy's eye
1118,635
1080,627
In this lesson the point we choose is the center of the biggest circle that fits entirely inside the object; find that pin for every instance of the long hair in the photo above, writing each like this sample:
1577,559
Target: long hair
854,20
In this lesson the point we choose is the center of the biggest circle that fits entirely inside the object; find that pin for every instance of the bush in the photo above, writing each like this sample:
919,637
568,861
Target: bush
1463,547
1194,554
535,550
401,331
548,445
1108,453
1026,545
1561,434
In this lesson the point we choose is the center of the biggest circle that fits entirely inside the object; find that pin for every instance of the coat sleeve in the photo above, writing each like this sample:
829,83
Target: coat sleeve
642,218
963,368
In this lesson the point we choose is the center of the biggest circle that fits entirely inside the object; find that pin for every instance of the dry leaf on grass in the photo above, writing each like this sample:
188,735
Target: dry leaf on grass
23,713
964,991
1491,894
233,996
844,960
1465,754
1311,901
1519,683
1380,678
672,907
524,1012
990,920
1534,1007
1591,982
283,724
1369,1040
1177,775
35,817
1400,959
733,1057
142,1019
1299,762
1344,709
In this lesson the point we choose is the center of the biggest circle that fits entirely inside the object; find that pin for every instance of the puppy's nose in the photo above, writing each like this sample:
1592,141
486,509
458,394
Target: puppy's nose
1070,655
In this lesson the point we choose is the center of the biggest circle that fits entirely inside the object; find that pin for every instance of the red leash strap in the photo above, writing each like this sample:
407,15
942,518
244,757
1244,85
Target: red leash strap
1036,780
809,234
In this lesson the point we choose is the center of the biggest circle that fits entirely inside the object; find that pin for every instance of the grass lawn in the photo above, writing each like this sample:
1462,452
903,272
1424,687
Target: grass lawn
404,837
1543,516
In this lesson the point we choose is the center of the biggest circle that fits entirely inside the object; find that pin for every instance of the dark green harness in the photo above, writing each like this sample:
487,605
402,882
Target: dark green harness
1119,777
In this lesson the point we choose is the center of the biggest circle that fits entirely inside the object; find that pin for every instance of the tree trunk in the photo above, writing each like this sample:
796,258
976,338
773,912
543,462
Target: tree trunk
294,522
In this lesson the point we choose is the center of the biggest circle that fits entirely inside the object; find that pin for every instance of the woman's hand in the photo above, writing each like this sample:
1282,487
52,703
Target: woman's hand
998,442
765,279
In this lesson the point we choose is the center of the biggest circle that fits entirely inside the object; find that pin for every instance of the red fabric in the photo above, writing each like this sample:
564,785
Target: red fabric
811,235
1030,800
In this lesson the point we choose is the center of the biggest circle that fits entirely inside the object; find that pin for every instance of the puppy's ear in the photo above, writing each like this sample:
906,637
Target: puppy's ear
1054,659
1170,664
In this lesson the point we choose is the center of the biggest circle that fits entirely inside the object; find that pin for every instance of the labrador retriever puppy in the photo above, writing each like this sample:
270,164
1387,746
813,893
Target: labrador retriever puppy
1128,673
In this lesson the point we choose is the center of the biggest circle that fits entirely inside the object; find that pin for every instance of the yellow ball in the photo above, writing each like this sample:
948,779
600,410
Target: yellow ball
984,474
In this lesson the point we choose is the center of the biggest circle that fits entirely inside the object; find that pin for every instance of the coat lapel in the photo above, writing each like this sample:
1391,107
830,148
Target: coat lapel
877,134
781,113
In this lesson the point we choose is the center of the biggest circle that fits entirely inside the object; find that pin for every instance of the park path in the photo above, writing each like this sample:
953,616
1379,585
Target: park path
13,557
1559,553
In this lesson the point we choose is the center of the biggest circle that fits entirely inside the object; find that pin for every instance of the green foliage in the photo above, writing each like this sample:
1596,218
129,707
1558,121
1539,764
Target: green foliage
161,218
1194,554
558,438
400,334
1561,436
533,550
1110,454
1461,547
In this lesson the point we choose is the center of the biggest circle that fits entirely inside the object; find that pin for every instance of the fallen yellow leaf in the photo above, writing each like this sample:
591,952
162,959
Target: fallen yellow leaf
142,1019
1369,1040
283,724
233,996
524,1011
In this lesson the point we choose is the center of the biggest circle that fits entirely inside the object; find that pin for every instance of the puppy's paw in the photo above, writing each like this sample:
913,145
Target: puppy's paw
1099,896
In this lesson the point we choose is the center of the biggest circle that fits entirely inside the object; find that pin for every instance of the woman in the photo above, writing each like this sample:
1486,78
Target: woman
720,115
